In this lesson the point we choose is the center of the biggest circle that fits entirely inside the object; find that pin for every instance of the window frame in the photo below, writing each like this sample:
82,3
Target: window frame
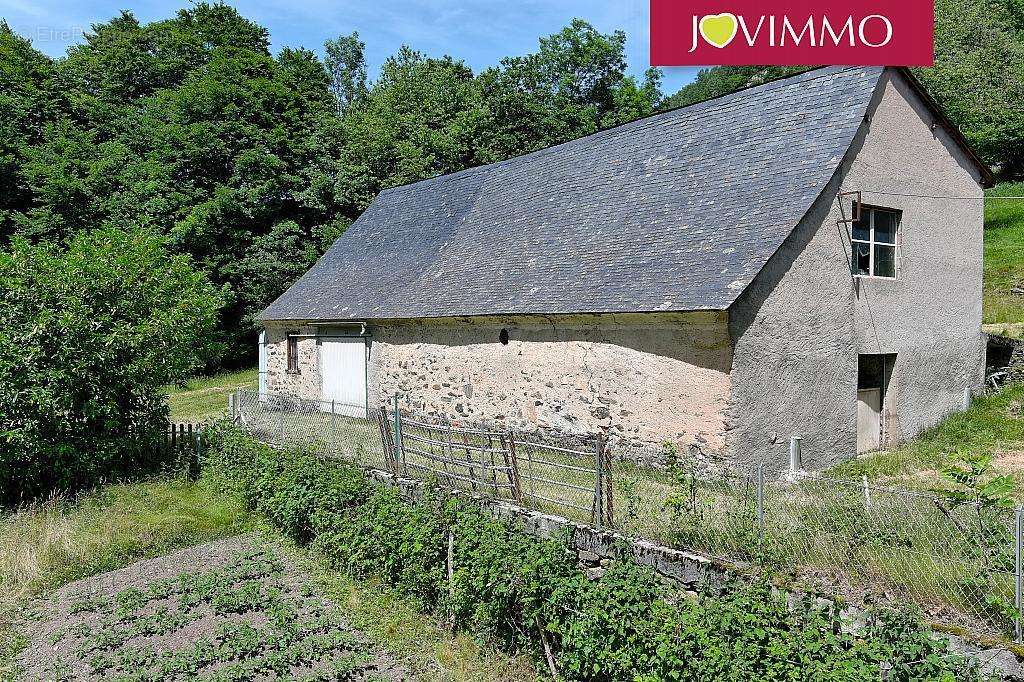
292,353
870,211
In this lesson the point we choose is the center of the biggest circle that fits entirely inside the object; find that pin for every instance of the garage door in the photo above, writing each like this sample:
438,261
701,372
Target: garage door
343,372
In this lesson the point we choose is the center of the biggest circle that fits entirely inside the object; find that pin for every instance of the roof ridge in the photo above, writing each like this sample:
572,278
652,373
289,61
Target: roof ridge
657,116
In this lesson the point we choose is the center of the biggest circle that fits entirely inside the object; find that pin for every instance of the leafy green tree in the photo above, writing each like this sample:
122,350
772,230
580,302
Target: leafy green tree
978,77
30,98
345,61
417,121
89,333
574,85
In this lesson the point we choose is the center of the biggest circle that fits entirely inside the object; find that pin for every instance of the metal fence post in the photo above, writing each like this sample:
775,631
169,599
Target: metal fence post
795,454
609,493
598,475
1018,576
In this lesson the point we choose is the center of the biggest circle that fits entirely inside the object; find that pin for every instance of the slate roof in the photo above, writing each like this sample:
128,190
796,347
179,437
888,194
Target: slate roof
678,211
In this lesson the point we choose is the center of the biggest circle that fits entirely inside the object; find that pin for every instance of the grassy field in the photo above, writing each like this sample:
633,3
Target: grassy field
994,425
48,545
205,398
1004,256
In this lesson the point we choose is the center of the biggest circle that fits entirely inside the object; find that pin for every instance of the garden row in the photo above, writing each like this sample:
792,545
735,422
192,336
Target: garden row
488,577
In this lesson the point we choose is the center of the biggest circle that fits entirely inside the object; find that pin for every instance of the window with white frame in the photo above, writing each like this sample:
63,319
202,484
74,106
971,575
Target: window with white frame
874,242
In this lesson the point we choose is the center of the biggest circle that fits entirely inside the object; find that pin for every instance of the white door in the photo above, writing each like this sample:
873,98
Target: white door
263,362
869,419
343,375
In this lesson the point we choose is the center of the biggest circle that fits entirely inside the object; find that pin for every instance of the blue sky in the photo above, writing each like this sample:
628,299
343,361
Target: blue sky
478,31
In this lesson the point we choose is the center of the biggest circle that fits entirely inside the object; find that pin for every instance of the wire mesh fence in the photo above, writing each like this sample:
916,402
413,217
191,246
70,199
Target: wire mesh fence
326,427
958,559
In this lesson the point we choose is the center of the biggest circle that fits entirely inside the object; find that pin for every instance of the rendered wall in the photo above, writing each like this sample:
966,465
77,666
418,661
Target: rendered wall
799,328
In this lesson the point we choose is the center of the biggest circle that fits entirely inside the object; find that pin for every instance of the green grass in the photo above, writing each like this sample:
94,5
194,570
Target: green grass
994,425
205,398
1004,255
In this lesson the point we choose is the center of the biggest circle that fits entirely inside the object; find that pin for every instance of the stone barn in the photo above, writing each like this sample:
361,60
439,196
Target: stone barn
803,257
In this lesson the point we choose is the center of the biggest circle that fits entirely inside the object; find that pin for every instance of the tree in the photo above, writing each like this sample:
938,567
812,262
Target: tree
978,77
418,120
345,61
89,333
30,98
574,85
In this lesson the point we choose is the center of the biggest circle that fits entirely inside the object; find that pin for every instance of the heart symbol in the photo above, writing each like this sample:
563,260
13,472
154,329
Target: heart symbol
719,29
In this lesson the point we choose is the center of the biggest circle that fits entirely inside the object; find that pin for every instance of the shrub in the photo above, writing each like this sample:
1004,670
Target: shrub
524,593
89,333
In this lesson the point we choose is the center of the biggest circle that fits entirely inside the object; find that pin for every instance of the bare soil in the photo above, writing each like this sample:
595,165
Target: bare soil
234,609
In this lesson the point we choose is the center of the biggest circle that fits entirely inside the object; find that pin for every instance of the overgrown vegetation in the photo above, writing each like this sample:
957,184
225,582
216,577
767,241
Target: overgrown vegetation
89,334
489,578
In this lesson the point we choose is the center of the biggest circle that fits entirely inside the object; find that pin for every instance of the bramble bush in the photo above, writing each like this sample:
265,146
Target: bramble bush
521,592
89,333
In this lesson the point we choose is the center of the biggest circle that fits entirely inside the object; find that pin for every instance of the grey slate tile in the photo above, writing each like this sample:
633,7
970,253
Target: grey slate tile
678,211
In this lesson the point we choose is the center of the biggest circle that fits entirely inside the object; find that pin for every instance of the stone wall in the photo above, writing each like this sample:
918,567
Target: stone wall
305,383
647,378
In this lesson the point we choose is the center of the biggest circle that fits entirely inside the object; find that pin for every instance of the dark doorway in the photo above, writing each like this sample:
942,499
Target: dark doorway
873,374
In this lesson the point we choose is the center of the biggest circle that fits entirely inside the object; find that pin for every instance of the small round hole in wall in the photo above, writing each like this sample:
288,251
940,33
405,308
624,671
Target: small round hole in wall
503,337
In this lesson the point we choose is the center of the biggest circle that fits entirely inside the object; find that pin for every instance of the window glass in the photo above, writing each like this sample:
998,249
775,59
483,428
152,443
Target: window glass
862,227
885,261
885,227
873,239
862,258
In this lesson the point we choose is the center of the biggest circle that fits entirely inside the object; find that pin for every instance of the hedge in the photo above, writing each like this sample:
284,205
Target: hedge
528,594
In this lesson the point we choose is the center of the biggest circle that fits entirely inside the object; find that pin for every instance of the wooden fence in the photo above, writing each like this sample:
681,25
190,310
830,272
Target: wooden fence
184,443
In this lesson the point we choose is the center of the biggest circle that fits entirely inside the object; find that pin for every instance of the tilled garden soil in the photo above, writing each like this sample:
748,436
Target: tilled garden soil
230,610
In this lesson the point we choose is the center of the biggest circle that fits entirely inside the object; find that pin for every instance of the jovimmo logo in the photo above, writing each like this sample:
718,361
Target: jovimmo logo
854,32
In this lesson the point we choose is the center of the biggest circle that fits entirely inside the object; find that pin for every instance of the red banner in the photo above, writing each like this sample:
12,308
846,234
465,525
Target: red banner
791,32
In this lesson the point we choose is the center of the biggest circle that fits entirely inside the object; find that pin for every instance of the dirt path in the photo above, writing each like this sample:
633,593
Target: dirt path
229,610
